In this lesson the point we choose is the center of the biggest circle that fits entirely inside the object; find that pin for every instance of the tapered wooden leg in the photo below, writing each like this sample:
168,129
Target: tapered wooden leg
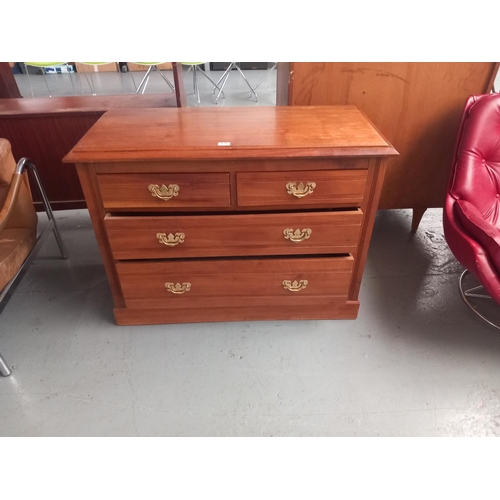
418,213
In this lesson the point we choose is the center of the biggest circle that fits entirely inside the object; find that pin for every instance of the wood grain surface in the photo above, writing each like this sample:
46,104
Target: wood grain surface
233,235
417,105
236,132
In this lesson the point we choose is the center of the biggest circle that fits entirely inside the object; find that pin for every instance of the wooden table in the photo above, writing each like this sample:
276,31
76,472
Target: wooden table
207,214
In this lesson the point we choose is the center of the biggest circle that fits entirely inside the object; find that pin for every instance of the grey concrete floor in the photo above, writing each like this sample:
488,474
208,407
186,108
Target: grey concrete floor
236,91
416,362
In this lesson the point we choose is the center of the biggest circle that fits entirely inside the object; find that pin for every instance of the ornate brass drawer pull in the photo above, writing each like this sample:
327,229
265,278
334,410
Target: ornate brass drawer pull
178,288
172,239
163,192
301,190
295,286
297,235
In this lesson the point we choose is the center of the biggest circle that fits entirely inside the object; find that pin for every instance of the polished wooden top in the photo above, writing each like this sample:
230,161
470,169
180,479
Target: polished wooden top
252,132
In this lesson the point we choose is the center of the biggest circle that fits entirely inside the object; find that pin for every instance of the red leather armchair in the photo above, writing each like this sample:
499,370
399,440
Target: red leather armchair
471,215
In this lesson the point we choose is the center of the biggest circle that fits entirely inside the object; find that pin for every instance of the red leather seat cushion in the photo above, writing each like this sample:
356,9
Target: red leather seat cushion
481,230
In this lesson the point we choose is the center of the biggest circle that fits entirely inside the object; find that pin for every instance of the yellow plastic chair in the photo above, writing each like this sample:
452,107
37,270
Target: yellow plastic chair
43,66
152,66
90,81
195,67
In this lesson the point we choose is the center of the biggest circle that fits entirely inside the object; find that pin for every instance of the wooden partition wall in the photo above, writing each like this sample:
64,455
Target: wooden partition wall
45,130
417,106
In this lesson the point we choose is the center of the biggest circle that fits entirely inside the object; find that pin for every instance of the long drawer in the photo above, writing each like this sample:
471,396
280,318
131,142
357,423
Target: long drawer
150,237
163,192
235,282
311,188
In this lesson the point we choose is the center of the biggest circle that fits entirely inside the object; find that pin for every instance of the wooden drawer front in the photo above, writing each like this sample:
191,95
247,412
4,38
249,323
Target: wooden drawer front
246,282
233,235
132,191
301,188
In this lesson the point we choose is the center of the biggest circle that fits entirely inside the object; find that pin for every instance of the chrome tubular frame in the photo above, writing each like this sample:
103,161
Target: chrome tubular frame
8,290
4,369
144,82
225,76
471,292
195,68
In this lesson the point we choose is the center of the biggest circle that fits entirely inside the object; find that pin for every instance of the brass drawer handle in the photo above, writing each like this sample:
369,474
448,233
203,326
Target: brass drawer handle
172,239
163,192
295,286
301,190
297,235
178,288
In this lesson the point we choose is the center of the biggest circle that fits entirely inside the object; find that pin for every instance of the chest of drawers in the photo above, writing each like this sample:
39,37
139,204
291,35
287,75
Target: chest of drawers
232,214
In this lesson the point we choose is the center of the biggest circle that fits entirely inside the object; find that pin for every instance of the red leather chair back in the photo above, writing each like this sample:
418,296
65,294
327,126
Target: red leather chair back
475,177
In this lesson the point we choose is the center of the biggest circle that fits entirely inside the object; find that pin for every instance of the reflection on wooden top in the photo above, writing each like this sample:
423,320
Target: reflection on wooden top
233,132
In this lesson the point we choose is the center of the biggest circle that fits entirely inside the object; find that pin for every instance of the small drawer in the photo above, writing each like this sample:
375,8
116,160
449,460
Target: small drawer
164,192
160,237
235,282
328,188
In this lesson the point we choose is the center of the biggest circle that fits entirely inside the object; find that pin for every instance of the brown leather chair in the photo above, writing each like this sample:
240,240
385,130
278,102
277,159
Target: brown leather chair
19,242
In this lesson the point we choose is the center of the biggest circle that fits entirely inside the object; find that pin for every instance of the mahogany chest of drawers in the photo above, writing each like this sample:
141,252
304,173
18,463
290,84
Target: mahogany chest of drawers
229,214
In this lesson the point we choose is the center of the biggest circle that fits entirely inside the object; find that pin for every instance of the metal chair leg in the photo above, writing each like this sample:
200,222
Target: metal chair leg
144,81
27,163
4,369
471,292
268,71
252,91
166,79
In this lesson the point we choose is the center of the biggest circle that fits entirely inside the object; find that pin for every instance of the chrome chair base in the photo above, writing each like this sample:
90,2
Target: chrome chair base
195,68
225,76
474,293
8,290
144,82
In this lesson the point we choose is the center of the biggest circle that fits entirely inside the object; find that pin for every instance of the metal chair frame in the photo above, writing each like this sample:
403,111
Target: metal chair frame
225,76
90,79
195,68
471,292
42,68
145,80
5,294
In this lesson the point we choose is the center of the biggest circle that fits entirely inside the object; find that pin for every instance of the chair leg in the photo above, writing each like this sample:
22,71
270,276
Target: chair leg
144,81
472,292
223,79
195,85
252,90
166,79
4,369
25,162
262,79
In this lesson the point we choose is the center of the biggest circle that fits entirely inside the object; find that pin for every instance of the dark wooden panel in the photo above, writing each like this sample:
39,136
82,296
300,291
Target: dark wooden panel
282,83
8,85
46,140
80,105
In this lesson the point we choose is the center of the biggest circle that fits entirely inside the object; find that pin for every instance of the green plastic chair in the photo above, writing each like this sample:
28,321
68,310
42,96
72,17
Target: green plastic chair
44,65
152,66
